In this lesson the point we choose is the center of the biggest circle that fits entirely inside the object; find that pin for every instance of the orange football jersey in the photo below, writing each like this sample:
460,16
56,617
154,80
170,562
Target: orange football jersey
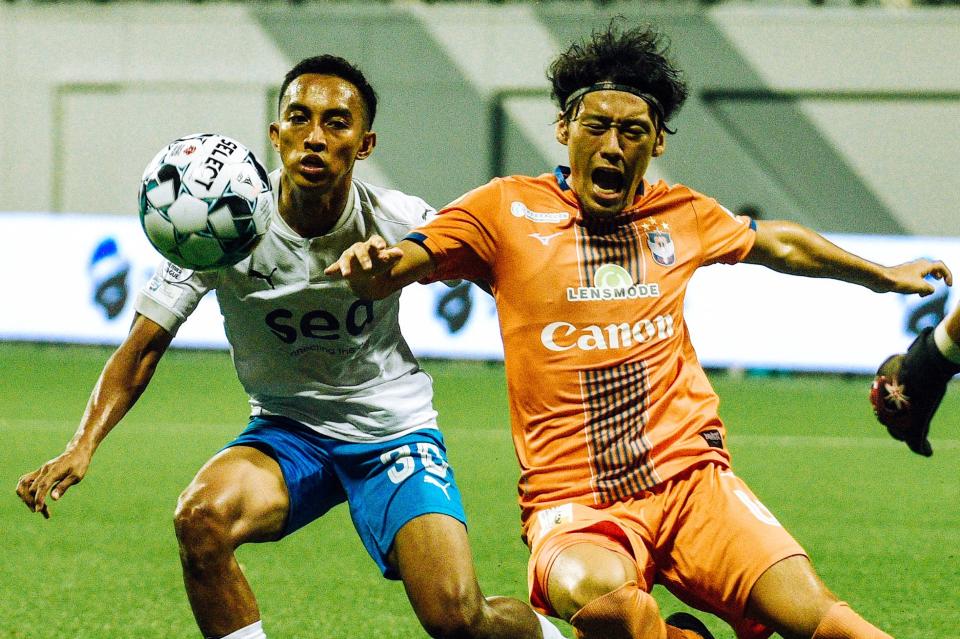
607,397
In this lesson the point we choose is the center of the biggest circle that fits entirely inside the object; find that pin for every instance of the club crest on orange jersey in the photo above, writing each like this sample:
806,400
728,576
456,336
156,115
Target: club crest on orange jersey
661,246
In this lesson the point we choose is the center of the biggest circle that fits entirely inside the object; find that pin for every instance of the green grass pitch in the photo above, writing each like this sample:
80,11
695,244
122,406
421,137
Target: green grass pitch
881,524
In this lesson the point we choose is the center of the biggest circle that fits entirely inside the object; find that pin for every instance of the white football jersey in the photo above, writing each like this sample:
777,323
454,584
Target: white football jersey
303,345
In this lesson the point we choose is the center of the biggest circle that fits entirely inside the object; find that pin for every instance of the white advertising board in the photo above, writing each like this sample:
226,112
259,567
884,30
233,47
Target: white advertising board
73,278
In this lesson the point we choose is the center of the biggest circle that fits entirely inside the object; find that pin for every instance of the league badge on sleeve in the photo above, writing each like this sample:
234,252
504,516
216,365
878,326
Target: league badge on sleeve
175,274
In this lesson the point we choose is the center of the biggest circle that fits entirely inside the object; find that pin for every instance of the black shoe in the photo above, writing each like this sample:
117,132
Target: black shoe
686,621
907,391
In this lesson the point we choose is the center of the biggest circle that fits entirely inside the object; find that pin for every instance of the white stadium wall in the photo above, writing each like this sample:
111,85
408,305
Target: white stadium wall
882,87
89,91
843,119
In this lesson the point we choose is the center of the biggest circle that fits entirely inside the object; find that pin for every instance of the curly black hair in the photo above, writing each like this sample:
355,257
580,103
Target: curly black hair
336,66
634,57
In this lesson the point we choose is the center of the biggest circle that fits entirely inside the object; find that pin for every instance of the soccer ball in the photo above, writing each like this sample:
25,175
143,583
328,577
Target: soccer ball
205,201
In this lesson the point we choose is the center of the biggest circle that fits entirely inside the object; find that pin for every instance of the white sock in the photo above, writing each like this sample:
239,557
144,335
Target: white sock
549,630
949,348
253,631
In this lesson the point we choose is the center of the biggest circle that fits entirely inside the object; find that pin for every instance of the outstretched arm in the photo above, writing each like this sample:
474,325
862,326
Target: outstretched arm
375,270
794,249
124,378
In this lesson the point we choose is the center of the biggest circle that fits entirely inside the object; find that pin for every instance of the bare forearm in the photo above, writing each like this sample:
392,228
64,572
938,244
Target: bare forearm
791,248
121,383
795,249
123,379
374,270
382,285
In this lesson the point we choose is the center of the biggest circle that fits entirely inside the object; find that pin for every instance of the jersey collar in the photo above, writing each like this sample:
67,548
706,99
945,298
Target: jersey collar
562,173
350,207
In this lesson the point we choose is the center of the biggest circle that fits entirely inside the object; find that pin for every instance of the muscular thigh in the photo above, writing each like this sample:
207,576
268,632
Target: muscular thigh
717,540
243,488
301,464
431,554
391,484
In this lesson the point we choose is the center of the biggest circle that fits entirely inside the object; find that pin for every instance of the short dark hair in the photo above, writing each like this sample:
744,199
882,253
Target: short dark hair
636,58
336,66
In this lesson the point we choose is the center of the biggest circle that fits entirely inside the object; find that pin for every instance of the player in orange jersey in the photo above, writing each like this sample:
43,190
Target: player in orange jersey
626,477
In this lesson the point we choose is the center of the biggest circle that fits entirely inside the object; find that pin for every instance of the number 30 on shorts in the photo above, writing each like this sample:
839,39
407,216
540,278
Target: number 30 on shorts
404,463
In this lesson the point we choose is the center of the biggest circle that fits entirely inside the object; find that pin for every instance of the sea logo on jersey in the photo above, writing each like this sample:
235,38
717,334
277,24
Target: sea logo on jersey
563,336
319,324
612,282
519,209
661,246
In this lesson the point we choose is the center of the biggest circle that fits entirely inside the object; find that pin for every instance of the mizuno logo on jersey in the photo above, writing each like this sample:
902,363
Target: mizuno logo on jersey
612,282
563,336
519,209
545,239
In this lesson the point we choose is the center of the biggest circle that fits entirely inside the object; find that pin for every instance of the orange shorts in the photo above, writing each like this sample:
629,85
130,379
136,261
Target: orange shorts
703,535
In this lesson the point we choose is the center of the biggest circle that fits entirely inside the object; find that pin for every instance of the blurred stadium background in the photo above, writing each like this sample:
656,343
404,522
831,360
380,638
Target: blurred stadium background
844,116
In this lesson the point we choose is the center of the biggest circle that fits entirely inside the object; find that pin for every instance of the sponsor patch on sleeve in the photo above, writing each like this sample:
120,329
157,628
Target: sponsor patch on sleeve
162,292
713,438
175,274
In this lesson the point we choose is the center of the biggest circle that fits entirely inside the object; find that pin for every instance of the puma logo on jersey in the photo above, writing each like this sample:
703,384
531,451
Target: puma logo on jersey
545,239
268,277
442,485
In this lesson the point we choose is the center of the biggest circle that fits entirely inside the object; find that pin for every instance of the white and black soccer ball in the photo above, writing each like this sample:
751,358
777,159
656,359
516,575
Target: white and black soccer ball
205,201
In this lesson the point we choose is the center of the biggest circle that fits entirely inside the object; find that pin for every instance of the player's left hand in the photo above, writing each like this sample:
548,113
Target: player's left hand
914,276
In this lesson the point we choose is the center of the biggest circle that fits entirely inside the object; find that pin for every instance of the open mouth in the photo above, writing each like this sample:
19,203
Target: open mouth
607,182
311,164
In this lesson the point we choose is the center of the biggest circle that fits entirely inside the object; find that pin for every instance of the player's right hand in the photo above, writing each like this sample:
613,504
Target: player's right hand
916,276
364,260
53,478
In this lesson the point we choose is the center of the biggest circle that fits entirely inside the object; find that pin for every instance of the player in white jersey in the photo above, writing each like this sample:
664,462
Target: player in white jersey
341,411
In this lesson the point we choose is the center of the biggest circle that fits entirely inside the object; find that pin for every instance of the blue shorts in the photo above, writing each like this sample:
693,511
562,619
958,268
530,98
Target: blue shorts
386,483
